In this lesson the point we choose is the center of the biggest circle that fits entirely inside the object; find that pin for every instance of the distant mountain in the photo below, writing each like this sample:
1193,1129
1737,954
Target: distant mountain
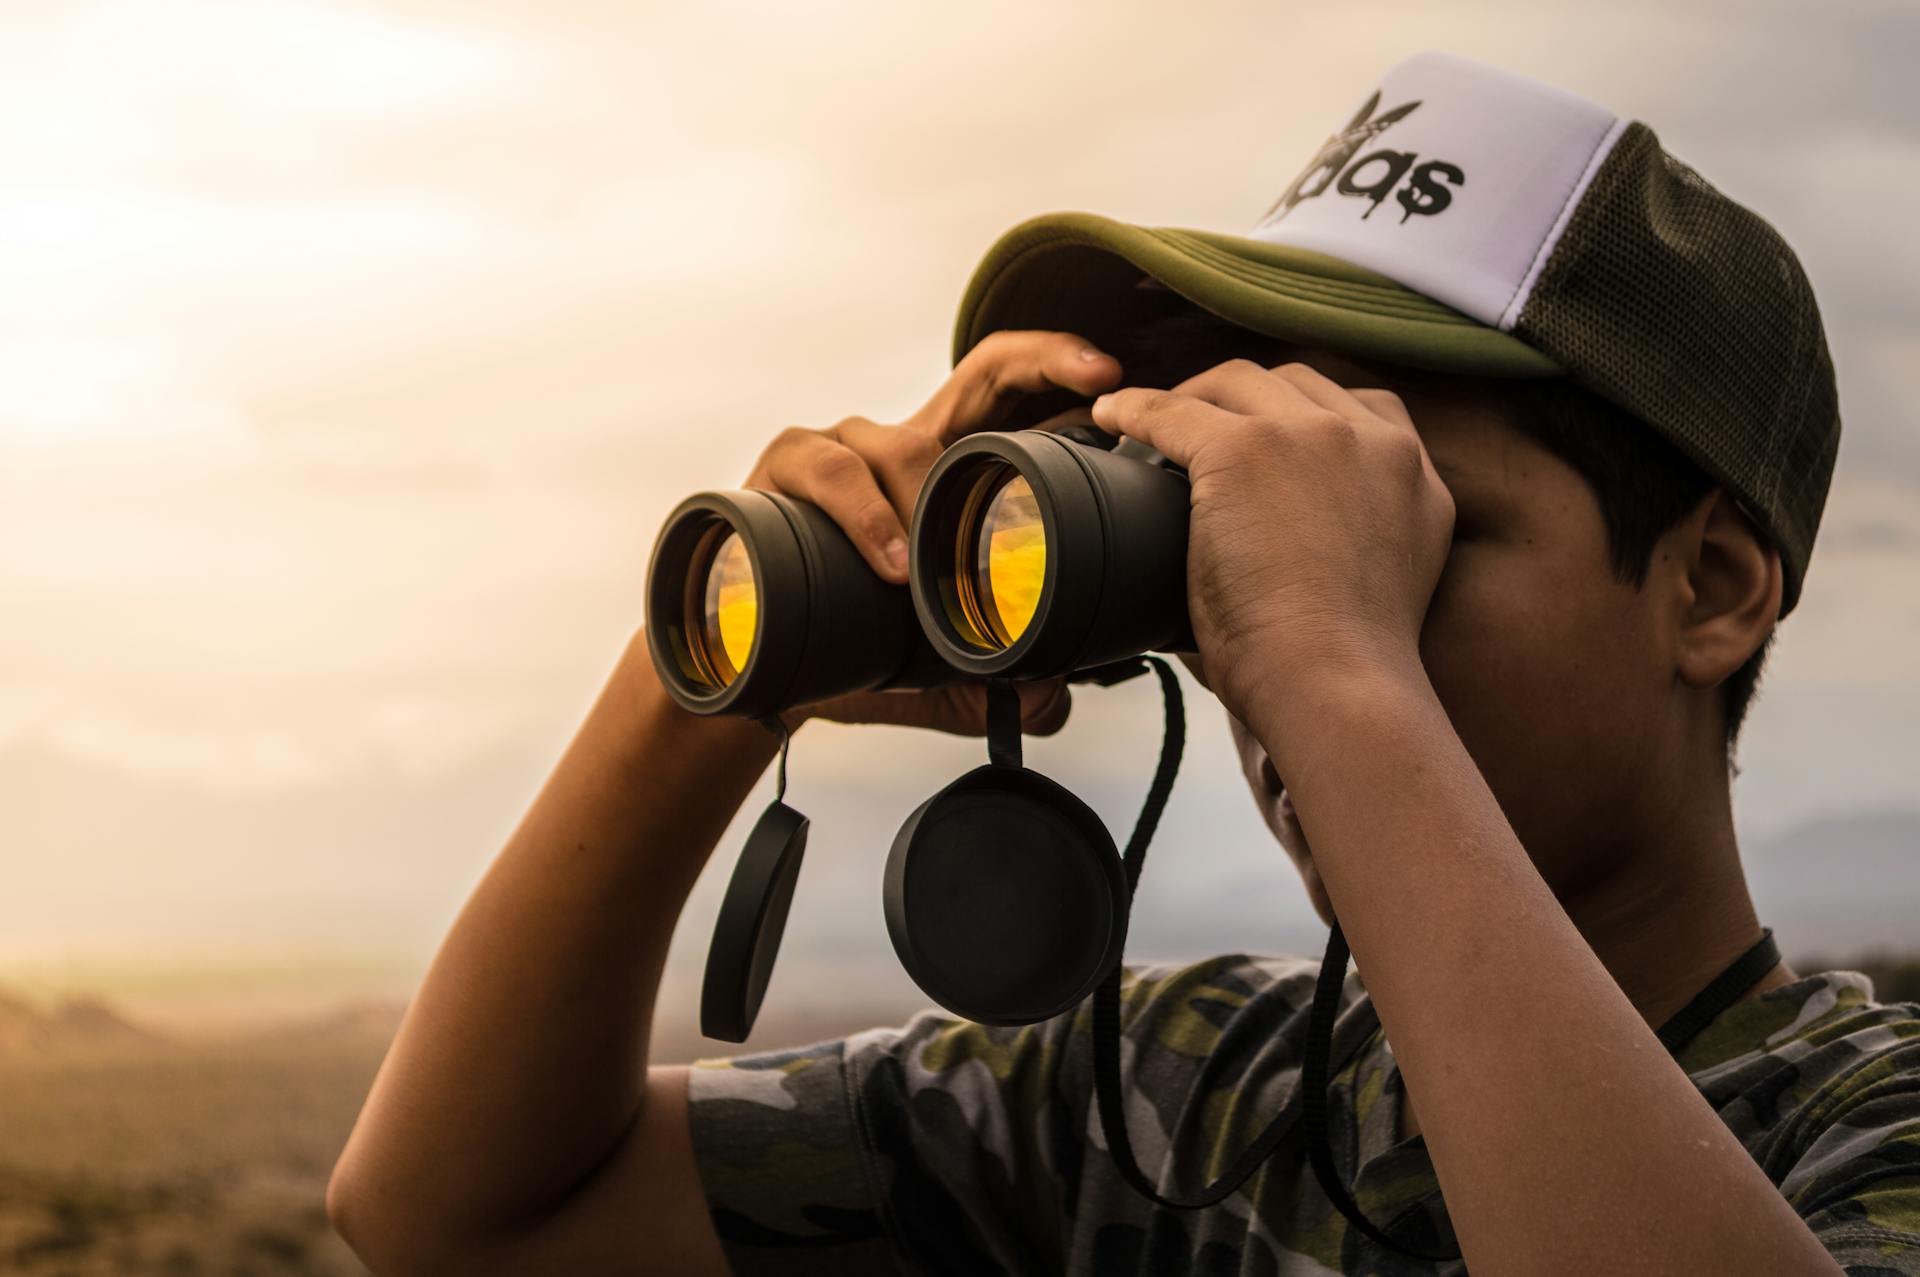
1841,884
361,1023
74,1026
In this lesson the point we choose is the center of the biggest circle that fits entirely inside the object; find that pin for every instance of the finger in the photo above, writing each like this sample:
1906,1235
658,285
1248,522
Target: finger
956,708
962,708
1321,389
807,464
1349,404
1244,387
898,455
1385,404
1044,706
1358,406
1004,365
896,707
1355,405
1173,424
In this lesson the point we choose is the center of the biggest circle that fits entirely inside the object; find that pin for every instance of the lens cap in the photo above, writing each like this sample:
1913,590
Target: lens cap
1005,897
746,937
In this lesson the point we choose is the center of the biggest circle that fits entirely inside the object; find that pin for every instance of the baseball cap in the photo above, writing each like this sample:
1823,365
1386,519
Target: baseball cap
1469,220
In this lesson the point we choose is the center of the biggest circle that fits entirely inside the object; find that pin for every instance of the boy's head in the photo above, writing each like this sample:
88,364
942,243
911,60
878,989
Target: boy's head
1643,485
1620,373
1601,621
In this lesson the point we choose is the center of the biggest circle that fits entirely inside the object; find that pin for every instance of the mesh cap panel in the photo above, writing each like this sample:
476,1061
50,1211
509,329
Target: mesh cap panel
1690,311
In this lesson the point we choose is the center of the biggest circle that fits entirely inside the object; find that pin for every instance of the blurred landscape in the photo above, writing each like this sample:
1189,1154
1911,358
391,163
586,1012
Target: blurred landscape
129,1150
126,1150
185,1143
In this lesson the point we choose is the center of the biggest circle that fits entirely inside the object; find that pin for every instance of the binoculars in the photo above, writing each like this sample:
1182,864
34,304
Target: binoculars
1032,554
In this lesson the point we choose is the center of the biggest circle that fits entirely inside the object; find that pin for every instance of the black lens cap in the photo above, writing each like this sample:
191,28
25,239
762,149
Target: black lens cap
746,937
1005,897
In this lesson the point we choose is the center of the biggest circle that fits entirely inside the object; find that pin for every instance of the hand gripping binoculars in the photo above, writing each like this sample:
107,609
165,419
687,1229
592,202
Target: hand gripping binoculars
1033,554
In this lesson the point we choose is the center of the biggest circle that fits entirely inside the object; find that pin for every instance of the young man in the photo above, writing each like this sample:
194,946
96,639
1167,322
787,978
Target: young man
1484,662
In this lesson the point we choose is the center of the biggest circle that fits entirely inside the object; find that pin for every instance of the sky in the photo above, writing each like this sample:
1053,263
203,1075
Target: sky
352,354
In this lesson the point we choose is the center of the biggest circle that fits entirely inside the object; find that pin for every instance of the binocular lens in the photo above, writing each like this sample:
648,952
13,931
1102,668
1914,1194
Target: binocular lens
1002,558
757,602
1035,554
727,607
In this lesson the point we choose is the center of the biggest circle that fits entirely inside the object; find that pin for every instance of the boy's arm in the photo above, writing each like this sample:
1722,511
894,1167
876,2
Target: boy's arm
1564,1136
514,1125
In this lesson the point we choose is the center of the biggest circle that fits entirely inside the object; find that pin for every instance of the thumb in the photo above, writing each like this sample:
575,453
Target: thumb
1044,706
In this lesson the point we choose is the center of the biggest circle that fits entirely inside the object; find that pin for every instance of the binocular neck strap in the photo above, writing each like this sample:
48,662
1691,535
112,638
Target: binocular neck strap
1106,998
1722,992
1313,1086
1003,723
774,724
1106,1016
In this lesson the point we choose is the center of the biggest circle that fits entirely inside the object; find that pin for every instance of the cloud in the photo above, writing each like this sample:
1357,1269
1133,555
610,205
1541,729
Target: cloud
215,759
351,354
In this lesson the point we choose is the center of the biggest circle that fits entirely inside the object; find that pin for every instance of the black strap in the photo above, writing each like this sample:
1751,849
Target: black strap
1313,1083
1725,990
1003,722
1106,998
1722,992
775,724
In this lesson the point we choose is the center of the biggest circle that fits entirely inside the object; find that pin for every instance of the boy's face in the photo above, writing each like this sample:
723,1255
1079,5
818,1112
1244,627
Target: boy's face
1553,672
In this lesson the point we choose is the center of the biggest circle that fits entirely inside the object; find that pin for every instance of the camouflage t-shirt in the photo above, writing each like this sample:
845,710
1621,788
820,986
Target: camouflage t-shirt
944,1146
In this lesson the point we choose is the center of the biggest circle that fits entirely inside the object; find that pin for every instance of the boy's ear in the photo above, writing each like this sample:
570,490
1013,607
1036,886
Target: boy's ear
1730,582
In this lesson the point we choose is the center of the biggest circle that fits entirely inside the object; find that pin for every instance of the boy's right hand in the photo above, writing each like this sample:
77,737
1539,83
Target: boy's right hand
867,476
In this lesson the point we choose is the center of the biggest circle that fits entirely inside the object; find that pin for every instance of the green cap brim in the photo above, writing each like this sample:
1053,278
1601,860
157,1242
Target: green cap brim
1073,271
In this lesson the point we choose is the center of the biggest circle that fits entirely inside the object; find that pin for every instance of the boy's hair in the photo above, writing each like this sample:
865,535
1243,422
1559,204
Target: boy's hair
1643,483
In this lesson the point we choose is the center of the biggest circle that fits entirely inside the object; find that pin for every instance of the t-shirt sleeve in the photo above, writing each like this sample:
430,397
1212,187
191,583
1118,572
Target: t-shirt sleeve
936,1146
1857,1182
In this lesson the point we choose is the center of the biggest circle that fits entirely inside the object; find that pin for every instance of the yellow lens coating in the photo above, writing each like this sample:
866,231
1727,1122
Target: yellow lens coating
732,602
1011,558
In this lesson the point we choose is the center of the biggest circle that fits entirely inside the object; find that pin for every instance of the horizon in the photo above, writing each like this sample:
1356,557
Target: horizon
1815,916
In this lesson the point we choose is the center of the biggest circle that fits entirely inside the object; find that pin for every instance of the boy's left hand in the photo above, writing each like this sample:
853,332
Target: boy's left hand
1318,528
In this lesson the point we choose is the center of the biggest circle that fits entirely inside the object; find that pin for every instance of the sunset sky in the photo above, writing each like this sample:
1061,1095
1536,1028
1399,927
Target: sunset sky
351,355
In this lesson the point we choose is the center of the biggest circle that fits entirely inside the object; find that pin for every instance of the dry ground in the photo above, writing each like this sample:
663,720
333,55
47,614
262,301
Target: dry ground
125,1152
177,1160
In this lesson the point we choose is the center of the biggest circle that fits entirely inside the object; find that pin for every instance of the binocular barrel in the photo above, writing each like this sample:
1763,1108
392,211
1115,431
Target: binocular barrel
757,602
1032,554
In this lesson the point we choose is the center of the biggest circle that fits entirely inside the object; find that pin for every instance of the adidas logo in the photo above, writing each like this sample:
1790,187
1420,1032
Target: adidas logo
1419,188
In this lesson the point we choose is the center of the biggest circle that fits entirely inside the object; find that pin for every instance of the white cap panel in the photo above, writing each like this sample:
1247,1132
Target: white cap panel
1454,178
